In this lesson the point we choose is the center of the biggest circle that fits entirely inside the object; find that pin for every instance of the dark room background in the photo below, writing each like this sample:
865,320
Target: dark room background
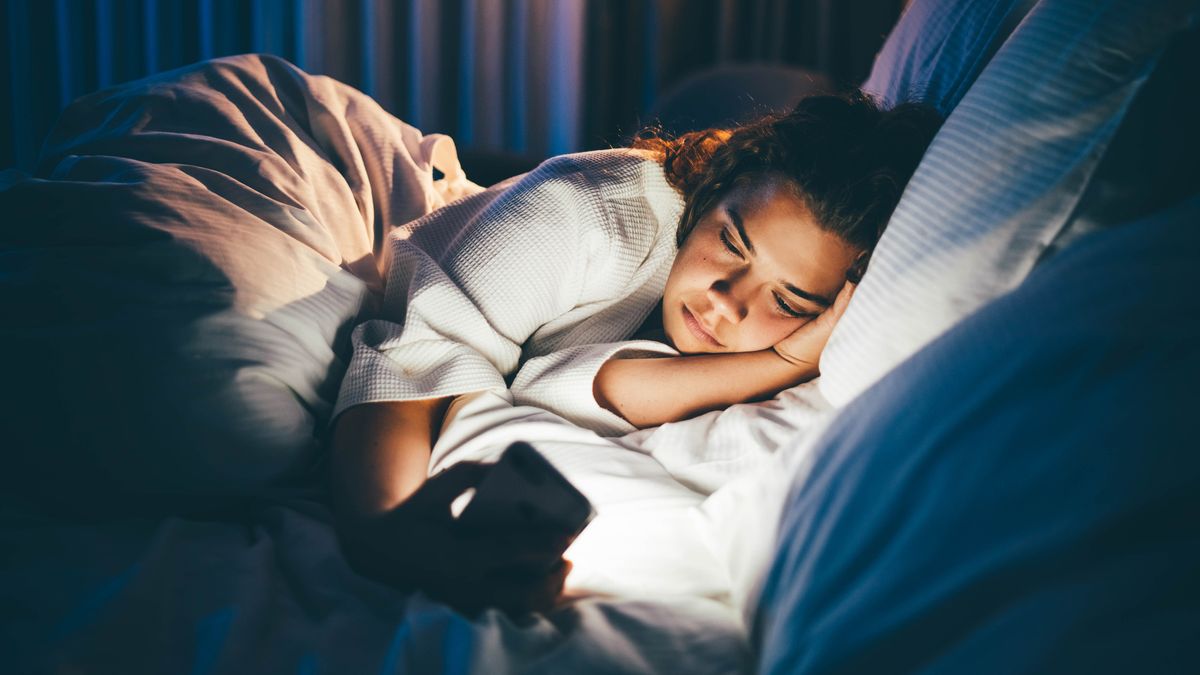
526,78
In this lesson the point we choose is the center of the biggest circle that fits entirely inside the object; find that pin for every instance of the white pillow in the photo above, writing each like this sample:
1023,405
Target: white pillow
1000,179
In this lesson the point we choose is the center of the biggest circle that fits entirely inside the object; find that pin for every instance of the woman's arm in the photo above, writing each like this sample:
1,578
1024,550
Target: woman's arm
396,525
648,392
466,288
380,454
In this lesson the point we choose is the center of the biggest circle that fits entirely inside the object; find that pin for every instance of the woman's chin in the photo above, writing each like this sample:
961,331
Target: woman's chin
684,347
689,345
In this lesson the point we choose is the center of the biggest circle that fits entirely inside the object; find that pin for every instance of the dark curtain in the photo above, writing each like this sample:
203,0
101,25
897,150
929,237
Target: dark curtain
527,77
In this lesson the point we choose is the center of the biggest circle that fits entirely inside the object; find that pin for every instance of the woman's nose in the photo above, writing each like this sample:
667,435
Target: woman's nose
726,301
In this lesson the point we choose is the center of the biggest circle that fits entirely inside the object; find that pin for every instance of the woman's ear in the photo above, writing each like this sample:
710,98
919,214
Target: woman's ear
858,267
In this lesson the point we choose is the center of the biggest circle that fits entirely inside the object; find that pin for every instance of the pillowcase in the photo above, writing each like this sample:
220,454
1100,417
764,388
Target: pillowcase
1002,176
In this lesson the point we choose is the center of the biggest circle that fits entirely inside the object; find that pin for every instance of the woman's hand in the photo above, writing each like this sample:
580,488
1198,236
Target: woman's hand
419,544
803,348
648,392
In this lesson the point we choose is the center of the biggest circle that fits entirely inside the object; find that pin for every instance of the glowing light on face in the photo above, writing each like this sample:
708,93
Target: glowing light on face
754,269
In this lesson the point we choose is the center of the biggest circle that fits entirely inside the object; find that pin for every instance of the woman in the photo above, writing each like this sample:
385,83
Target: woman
737,249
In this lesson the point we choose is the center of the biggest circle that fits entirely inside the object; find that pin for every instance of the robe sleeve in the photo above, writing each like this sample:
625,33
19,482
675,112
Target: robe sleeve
460,301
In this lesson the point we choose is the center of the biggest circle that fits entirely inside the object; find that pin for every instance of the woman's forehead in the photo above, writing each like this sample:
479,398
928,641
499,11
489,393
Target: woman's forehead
770,209
763,189
786,239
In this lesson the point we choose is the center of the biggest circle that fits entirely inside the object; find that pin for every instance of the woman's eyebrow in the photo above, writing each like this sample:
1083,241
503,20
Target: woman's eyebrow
736,219
811,297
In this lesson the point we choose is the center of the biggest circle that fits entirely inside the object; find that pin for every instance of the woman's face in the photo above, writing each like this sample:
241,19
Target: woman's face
754,269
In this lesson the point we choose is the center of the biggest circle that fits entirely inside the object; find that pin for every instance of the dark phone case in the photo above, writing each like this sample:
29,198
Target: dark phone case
524,491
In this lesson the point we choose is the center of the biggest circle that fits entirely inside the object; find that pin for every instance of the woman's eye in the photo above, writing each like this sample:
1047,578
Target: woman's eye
729,244
788,310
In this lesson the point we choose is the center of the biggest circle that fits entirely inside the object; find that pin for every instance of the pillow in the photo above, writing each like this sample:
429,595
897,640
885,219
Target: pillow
1000,179
937,49
180,268
1020,495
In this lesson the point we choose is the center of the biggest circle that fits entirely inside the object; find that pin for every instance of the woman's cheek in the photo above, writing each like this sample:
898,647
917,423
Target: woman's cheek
779,329
755,335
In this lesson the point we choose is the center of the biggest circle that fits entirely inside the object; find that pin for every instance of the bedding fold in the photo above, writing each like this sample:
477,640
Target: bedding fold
185,264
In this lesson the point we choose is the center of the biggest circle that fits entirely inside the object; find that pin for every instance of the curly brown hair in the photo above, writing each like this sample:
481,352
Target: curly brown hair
847,158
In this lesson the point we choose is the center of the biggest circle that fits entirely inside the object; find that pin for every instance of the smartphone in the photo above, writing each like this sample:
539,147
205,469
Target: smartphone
522,490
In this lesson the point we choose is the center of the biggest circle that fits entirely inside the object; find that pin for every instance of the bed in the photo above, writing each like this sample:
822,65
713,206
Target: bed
183,266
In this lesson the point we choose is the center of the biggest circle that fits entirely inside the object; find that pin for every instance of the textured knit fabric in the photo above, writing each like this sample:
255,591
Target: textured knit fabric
555,268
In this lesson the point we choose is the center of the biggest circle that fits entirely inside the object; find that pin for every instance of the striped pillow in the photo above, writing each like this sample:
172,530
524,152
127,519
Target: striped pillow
1001,178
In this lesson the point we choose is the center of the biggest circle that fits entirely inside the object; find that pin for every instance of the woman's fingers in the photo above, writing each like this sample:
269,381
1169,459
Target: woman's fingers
832,316
514,591
524,543
804,347
517,592
442,488
843,299
825,323
450,551
518,570
497,553
829,318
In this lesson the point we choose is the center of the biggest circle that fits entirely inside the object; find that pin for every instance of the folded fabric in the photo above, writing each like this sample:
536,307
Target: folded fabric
180,268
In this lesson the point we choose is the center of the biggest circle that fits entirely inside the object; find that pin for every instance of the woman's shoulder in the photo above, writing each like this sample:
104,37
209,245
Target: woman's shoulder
615,158
622,169
619,195
619,175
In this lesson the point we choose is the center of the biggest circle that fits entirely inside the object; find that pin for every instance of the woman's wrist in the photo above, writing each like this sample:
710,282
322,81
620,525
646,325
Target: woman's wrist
805,368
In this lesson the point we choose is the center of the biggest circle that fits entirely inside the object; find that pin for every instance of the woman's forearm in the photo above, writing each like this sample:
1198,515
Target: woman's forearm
380,454
652,391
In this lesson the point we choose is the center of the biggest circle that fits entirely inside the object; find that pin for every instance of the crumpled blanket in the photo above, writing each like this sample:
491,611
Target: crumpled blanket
182,262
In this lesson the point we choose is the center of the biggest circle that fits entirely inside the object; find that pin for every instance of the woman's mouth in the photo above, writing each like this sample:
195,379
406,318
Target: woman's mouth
698,330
